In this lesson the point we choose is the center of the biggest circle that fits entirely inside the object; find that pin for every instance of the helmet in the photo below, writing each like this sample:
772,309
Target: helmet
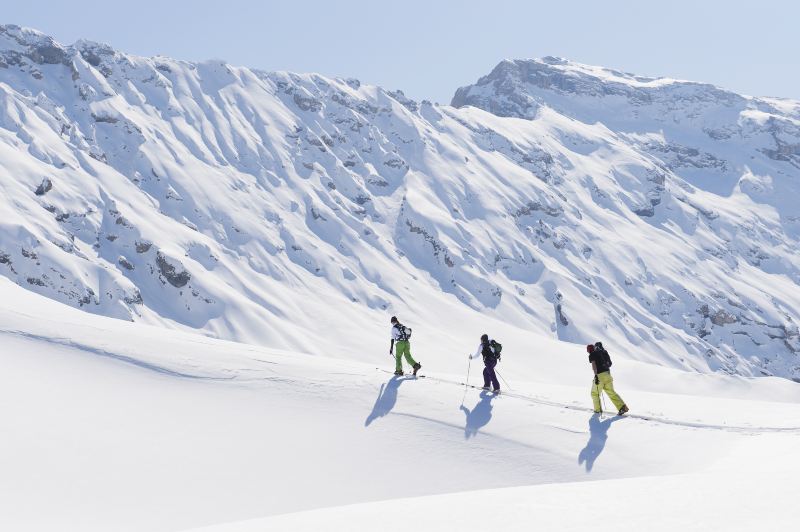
393,320
484,337
589,348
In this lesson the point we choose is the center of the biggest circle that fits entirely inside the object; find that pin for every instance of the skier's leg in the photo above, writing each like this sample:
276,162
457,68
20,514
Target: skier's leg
398,357
409,358
486,376
607,382
493,375
596,397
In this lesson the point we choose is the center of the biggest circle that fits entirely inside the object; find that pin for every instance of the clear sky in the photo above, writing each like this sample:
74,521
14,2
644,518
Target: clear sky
429,48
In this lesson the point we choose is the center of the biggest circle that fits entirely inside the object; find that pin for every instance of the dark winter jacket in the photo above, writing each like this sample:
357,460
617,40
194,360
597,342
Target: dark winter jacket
601,359
485,349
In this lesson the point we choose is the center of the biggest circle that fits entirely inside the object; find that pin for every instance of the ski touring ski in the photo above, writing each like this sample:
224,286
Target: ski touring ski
407,375
640,417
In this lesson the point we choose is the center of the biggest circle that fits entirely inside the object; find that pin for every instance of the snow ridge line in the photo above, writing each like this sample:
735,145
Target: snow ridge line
655,419
66,342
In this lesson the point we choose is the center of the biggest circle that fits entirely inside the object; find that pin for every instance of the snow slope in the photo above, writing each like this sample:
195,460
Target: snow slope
110,425
721,500
299,212
199,261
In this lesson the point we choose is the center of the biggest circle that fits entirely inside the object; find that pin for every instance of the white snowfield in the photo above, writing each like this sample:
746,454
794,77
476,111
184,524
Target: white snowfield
198,263
109,425
291,210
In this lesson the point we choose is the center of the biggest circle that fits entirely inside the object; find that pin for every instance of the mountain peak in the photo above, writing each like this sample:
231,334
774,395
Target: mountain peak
517,87
22,35
17,42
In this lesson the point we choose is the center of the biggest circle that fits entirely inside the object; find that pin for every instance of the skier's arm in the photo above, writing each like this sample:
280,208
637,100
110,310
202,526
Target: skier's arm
594,368
391,346
477,353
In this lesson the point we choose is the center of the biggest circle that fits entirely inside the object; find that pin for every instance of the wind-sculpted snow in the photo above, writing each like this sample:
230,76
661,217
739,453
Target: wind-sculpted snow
720,189
263,432
300,212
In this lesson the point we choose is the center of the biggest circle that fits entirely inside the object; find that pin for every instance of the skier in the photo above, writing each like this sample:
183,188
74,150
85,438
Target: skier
490,350
601,365
402,334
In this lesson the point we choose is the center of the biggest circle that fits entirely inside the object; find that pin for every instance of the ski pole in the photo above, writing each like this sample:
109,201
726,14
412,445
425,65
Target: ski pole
506,382
602,402
466,383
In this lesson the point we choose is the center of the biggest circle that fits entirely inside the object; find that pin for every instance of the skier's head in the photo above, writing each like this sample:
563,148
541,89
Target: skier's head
393,320
589,348
484,338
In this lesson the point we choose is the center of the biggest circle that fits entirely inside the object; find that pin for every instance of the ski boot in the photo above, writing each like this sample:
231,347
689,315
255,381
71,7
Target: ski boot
416,368
496,391
623,410
399,373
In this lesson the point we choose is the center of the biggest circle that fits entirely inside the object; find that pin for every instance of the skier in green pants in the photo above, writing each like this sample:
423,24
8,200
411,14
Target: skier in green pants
601,365
401,335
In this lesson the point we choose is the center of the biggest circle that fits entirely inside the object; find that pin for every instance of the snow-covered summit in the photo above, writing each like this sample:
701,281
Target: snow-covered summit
513,87
697,113
299,211
683,111
18,44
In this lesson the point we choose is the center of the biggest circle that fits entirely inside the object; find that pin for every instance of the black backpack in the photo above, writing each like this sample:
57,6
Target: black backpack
403,331
496,347
602,354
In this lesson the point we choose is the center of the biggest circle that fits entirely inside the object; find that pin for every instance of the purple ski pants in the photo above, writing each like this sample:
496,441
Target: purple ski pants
489,374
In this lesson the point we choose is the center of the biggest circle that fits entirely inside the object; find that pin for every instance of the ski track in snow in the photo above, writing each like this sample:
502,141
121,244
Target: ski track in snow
92,395
641,417
286,216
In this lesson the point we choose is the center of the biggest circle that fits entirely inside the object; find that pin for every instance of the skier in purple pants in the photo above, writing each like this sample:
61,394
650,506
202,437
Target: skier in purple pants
490,350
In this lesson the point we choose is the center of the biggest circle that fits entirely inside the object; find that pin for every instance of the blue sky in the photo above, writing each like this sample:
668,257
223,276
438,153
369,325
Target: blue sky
429,48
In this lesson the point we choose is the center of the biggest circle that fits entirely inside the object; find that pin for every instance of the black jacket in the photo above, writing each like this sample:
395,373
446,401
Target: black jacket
601,359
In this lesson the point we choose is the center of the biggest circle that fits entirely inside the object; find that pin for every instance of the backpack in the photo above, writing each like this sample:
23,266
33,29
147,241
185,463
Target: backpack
403,331
603,354
496,347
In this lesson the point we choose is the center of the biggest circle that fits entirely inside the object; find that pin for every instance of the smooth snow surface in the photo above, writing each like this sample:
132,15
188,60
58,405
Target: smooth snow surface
679,502
109,425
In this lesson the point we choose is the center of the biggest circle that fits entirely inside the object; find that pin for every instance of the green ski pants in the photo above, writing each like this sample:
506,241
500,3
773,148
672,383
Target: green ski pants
606,385
403,348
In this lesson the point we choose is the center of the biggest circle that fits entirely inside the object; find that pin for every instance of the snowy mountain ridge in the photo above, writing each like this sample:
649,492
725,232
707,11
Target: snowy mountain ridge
295,211
510,79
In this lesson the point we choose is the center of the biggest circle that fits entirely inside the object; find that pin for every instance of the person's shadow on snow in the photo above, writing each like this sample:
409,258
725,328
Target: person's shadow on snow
598,434
387,398
479,416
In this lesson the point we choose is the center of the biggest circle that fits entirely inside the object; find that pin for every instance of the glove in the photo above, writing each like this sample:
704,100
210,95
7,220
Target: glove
596,379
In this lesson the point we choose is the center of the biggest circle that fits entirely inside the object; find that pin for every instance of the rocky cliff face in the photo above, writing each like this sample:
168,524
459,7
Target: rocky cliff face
298,211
